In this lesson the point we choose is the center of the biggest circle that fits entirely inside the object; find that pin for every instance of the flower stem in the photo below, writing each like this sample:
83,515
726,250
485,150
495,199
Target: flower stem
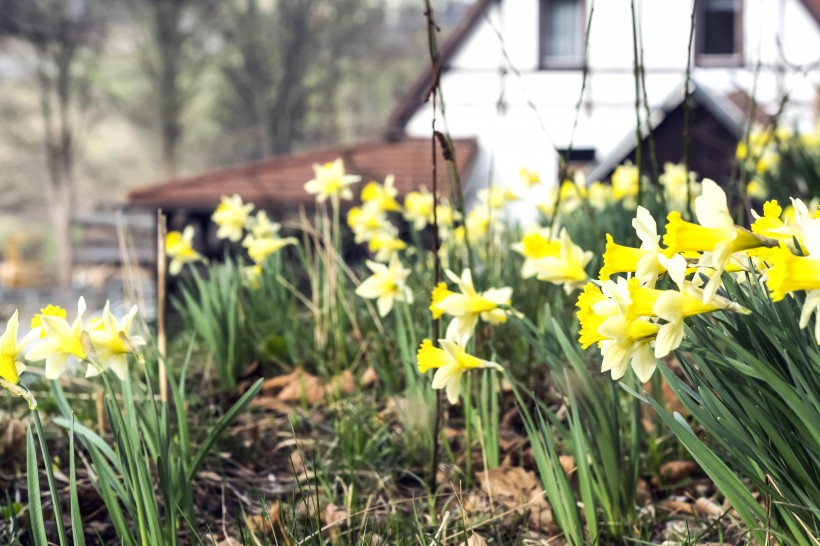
52,486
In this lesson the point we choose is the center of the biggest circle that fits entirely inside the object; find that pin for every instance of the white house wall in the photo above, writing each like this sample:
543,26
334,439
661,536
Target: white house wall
512,138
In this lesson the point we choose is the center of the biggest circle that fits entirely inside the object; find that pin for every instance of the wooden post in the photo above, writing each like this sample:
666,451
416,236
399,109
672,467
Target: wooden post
161,339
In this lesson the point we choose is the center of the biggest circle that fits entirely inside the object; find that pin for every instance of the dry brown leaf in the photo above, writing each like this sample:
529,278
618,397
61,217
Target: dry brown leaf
567,463
334,517
273,404
513,488
475,540
369,377
675,471
344,383
13,443
708,508
643,495
676,507
270,525
305,387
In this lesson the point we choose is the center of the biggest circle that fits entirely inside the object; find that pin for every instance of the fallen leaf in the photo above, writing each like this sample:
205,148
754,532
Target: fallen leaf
676,507
475,540
567,463
642,494
270,525
369,377
344,383
514,488
334,517
675,471
708,508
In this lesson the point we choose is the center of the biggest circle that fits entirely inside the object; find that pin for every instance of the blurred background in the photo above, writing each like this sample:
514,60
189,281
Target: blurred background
101,97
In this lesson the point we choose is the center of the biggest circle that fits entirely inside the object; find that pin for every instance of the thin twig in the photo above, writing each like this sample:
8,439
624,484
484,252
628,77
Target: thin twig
638,134
687,138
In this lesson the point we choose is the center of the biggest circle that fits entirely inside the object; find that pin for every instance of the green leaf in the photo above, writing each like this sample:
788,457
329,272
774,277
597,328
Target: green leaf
35,507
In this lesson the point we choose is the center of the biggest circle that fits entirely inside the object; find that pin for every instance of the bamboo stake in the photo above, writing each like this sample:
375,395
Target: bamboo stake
161,338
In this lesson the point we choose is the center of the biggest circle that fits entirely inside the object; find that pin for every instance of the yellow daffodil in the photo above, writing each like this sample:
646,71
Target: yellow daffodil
642,261
623,339
599,195
113,343
673,306
450,363
567,268
387,284
717,233
62,342
11,365
467,306
678,183
383,196
790,273
384,245
535,245
368,221
756,189
496,196
530,178
418,208
49,311
252,275
179,248
330,180
260,249
625,183
231,216
260,226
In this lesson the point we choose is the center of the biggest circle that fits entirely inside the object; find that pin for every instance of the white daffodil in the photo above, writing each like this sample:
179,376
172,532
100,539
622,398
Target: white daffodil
179,247
330,180
386,285
62,342
231,216
450,363
466,307
113,342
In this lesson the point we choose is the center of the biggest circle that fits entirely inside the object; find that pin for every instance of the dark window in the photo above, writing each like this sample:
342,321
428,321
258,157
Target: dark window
719,30
562,33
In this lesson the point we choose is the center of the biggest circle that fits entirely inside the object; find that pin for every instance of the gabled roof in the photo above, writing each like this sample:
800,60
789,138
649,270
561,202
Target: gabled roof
413,99
279,182
729,111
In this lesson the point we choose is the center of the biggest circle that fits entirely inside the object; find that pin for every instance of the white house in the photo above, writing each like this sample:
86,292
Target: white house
512,57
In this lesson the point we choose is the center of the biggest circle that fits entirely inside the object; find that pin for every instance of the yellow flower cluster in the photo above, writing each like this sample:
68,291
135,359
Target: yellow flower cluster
370,222
558,261
634,323
103,344
451,362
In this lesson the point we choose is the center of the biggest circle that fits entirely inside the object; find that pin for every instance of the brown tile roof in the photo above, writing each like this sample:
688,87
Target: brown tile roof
279,182
814,9
413,99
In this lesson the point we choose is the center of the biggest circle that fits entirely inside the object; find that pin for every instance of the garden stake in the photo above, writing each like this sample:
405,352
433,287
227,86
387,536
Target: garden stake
161,339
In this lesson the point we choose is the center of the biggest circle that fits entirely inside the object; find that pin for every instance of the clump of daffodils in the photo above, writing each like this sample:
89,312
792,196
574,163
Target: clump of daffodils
371,223
678,185
468,305
450,363
633,322
103,344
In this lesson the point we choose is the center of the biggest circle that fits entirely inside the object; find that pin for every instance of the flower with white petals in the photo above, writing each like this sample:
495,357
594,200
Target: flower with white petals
387,284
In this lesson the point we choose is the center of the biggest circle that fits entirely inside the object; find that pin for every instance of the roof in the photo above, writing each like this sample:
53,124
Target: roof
813,7
279,182
413,99
728,111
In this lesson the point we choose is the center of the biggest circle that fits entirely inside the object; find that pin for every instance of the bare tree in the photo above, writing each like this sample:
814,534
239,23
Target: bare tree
176,33
63,36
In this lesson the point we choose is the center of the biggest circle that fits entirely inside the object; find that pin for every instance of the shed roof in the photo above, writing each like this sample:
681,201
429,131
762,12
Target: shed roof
279,182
